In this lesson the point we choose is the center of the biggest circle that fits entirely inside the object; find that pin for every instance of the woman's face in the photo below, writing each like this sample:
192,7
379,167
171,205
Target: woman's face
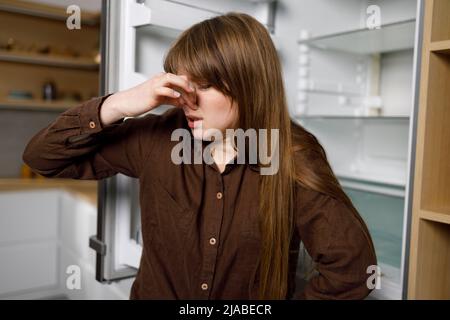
215,111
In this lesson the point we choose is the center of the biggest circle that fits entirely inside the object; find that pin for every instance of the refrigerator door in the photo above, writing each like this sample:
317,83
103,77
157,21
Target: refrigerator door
135,36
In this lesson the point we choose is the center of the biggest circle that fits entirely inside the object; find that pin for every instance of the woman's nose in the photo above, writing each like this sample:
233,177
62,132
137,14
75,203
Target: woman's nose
191,96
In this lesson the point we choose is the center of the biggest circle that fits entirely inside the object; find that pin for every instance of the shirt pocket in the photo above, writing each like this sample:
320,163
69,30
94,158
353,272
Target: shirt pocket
172,217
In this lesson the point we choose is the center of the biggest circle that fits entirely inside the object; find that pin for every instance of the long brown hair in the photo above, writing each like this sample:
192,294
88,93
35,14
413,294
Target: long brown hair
235,54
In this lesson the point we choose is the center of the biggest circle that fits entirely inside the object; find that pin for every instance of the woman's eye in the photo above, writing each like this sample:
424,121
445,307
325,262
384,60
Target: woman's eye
204,86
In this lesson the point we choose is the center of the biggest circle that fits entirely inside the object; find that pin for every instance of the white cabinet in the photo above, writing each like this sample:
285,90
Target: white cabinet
77,223
43,235
349,80
28,241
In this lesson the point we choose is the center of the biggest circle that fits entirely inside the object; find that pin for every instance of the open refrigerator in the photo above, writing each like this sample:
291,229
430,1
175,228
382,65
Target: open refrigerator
350,70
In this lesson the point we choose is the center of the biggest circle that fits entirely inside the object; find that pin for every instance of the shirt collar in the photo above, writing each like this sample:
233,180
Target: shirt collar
253,166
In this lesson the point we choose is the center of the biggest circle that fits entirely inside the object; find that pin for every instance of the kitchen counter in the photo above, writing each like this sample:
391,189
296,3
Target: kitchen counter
83,188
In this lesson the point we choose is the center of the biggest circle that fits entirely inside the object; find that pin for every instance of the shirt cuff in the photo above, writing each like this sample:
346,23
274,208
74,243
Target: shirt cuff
89,115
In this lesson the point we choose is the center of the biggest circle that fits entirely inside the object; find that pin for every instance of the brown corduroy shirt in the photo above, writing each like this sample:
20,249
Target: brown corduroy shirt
201,238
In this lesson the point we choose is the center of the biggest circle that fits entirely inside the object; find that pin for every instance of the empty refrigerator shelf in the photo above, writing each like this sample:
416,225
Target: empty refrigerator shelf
389,37
376,177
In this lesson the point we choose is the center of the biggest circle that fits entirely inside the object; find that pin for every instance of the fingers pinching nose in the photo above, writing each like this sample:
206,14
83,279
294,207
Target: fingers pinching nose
190,97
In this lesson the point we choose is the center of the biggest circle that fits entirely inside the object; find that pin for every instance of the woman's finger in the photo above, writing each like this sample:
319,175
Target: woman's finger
170,80
167,92
171,96
182,85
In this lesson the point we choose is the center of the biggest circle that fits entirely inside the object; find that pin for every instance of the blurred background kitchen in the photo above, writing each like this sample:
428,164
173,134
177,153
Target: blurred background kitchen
368,77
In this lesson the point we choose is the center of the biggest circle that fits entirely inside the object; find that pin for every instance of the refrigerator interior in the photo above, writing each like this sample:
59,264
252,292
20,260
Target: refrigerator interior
350,86
356,94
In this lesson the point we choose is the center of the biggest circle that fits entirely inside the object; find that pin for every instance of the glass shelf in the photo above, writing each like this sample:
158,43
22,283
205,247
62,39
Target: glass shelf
373,177
390,37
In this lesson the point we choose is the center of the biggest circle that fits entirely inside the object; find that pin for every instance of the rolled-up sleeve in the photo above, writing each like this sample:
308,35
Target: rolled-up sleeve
339,242
76,145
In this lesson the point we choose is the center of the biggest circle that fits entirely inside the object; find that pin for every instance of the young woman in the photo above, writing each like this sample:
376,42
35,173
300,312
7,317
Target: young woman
221,230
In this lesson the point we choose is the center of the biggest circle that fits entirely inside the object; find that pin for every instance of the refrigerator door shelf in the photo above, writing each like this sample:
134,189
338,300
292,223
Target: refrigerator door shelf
156,13
117,242
175,16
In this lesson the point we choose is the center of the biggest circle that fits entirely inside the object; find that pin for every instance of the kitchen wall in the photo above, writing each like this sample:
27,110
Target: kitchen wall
17,128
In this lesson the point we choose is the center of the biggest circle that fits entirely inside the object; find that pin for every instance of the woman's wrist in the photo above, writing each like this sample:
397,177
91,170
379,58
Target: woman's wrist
110,111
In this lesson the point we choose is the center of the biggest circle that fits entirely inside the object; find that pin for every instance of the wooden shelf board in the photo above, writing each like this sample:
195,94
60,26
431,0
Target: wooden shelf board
440,46
435,216
48,60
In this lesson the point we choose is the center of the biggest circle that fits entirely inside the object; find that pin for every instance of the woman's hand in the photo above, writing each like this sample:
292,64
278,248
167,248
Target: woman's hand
163,88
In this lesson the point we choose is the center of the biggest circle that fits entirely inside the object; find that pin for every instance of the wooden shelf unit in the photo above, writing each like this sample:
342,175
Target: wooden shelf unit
36,46
429,265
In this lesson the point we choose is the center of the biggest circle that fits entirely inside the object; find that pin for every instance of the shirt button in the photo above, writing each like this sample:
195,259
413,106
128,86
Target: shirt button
212,241
204,286
219,195
92,124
